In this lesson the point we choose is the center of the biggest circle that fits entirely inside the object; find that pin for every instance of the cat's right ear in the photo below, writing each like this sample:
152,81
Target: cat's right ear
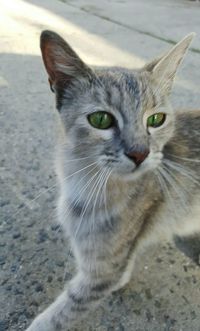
63,65
163,69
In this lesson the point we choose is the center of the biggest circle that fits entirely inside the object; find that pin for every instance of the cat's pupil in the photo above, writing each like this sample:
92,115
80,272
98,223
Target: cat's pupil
101,118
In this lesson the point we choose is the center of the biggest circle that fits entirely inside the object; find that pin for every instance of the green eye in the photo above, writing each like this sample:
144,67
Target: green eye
101,120
156,120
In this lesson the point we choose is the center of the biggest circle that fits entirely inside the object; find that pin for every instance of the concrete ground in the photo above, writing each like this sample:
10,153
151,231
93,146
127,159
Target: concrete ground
34,257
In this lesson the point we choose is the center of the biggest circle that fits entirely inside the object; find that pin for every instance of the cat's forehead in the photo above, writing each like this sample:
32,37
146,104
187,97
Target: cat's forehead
125,90
113,89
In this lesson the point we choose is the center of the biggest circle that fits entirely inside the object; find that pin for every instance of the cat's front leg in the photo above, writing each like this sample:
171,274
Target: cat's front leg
82,295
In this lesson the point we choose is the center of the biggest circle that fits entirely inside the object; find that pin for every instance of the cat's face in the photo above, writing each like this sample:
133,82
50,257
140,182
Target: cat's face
118,118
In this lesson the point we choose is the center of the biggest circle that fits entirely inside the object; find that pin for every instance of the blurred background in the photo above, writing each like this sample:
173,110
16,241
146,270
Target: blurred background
34,256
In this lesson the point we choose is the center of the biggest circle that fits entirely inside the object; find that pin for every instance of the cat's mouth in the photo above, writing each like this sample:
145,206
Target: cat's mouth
130,170
153,161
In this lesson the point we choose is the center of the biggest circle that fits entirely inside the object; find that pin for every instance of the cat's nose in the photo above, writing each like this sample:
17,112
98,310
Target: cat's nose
137,155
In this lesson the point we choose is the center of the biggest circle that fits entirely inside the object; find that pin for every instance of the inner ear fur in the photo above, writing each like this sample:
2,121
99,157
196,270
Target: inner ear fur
61,61
164,68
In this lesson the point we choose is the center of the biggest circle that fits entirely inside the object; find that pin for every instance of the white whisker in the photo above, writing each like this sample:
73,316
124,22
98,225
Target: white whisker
86,204
175,185
105,195
164,186
50,189
101,182
81,218
184,158
79,194
79,159
183,170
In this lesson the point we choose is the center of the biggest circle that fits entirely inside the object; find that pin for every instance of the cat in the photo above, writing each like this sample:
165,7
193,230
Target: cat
128,166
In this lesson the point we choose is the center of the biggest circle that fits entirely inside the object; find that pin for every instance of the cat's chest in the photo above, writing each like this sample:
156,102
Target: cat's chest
110,212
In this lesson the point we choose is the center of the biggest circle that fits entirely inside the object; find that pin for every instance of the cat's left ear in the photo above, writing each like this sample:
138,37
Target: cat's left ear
163,69
63,65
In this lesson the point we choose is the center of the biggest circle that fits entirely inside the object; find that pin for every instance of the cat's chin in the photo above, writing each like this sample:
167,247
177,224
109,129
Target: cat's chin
131,175
135,174
130,172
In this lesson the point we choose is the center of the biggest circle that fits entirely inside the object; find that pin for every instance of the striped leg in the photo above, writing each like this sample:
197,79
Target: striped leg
73,304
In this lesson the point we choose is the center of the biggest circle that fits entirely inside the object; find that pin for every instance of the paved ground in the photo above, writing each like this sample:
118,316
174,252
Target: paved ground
34,261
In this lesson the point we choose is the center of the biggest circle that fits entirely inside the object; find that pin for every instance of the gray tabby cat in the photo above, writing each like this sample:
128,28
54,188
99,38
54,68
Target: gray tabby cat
129,170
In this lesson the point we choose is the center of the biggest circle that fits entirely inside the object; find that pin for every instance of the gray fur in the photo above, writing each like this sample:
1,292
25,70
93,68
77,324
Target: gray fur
110,208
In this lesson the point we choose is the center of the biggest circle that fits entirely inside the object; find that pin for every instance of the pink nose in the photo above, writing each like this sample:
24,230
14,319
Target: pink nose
138,156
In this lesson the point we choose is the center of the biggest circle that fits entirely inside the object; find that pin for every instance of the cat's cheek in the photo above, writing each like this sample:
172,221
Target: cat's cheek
165,131
101,134
160,138
153,161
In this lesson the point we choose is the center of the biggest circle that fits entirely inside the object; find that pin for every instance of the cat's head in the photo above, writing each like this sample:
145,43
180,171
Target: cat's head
117,117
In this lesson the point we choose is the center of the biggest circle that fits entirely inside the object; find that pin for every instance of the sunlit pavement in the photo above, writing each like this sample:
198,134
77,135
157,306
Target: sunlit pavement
165,292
